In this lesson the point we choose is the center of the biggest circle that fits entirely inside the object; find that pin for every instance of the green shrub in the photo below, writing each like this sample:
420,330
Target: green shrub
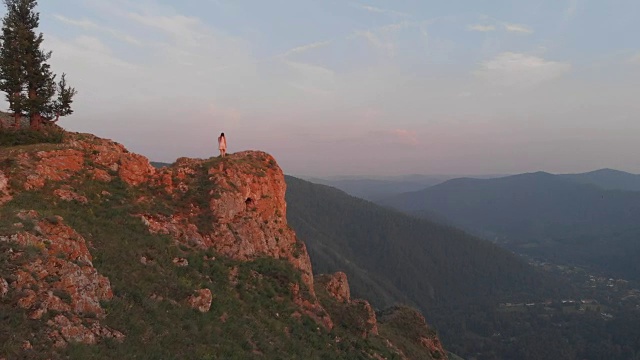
15,137
63,295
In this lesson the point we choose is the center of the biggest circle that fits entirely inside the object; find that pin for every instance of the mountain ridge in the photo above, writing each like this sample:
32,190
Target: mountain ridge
554,217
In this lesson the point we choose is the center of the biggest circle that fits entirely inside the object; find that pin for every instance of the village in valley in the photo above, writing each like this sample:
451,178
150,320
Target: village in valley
596,294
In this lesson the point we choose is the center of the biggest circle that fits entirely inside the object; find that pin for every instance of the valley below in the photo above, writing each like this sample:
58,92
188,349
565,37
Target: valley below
577,232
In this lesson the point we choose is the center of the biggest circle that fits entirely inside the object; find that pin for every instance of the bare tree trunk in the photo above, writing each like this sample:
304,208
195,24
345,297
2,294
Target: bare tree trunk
17,120
17,116
34,119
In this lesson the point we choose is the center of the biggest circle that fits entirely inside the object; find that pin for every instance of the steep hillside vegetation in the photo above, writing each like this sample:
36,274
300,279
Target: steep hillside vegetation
542,215
103,256
456,279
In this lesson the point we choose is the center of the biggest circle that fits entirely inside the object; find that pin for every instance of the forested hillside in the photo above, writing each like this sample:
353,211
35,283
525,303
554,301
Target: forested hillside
543,215
456,279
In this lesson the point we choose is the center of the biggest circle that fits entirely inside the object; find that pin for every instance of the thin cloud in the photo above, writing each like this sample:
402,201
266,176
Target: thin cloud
372,9
424,31
375,41
520,70
518,28
481,28
377,10
571,10
391,28
90,25
303,48
311,78
310,68
86,24
184,29
382,37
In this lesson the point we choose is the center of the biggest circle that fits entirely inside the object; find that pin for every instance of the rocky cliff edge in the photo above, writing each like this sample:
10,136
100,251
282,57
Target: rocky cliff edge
234,206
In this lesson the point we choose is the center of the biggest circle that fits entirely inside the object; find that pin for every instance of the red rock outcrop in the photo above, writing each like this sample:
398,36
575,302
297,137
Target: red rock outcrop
5,194
433,345
62,279
134,169
68,195
80,153
371,322
201,300
4,288
311,307
245,208
338,286
55,165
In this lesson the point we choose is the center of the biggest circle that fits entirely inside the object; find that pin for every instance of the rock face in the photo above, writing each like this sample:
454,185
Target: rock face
371,321
68,195
241,200
338,286
4,288
5,195
61,278
201,300
432,344
82,152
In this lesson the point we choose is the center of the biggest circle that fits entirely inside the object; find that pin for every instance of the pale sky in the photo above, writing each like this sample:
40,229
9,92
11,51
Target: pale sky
338,87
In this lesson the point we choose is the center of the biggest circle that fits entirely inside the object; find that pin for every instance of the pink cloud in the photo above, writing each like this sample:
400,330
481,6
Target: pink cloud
406,137
395,137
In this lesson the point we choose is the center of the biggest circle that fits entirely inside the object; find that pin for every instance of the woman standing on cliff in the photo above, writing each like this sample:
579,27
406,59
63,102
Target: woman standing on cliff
222,144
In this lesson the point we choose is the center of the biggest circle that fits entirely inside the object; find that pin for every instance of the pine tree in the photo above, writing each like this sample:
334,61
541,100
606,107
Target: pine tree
25,75
11,72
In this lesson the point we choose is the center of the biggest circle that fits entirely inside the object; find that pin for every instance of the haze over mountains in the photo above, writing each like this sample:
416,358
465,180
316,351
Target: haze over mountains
378,188
591,219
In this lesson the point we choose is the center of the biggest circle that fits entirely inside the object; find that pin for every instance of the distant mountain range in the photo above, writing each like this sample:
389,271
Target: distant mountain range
608,179
380,188
375,189
590,219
